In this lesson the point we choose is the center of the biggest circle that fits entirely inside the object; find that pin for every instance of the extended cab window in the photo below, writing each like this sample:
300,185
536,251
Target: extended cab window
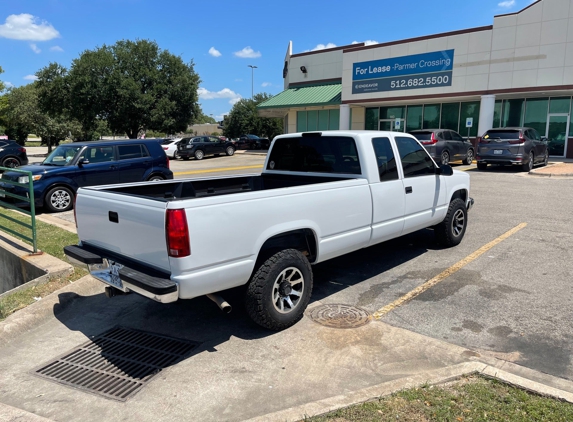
319,154
385,158
127,152
415,159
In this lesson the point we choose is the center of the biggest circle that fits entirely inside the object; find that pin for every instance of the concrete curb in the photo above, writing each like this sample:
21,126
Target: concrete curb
535,172
12,414
435,377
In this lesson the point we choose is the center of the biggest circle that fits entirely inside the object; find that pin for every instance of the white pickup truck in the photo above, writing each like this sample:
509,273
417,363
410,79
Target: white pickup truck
320,195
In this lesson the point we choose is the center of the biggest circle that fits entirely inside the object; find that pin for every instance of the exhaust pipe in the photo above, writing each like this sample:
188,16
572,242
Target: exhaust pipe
221,303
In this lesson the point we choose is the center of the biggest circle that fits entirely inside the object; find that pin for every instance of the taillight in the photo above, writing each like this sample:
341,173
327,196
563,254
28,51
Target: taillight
165,148
521,139
433,140
177,233
21,149
483,141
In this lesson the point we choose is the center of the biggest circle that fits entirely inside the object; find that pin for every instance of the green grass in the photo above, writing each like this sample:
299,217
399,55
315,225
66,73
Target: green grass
51,240
471,398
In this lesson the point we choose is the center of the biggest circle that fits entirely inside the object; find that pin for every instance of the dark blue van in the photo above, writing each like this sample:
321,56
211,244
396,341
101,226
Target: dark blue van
71,166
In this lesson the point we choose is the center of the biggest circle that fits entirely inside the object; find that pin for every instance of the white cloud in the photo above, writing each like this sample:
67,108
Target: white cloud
247,53
265,84
367,42
30,77
323,47
220,117
238,80
8,84
27,27
35,48
57,48
507,4
205,94
214,52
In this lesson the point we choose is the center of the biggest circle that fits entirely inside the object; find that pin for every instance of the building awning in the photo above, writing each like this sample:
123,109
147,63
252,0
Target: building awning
304,96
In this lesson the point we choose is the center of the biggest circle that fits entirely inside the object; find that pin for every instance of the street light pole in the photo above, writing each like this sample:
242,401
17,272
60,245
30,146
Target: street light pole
252,79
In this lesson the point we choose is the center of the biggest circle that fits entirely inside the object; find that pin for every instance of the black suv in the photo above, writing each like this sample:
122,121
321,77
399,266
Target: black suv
521,146
11,154
200,146
445,145
71,166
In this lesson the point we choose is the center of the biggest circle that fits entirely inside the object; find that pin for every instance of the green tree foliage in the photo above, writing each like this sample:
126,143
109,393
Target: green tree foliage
244,119
2,85
132,85
203,118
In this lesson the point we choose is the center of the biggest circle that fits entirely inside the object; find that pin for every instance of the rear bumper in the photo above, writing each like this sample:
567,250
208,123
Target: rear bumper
155,286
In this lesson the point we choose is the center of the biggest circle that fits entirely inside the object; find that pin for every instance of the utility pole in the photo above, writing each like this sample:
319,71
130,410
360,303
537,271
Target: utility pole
252,79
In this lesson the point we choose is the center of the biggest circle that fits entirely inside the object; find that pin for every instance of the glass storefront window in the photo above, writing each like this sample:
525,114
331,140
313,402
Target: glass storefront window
301,121
392,112
450,116
512,112
312,120
470,110
414,118
372,118
323,120
431,116
334,119
559,105
536,114
497,114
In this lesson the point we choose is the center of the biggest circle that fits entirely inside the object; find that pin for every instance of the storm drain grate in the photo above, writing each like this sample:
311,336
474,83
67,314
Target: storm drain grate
118,363
339,316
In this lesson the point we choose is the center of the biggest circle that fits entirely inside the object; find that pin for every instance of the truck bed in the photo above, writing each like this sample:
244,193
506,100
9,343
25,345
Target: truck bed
187,189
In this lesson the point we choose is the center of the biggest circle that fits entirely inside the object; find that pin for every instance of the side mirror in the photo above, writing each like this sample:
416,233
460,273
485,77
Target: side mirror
83,161
544,139
445,170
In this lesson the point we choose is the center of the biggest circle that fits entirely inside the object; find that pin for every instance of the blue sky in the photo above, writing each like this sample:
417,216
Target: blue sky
223,37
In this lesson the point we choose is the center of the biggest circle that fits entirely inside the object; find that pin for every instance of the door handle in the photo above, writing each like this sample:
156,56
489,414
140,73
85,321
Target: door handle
409,189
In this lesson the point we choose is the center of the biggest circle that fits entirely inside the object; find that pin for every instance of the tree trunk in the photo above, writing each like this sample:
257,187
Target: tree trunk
132,133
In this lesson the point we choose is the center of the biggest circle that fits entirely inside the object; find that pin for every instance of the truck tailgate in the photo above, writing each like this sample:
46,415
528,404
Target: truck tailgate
132,227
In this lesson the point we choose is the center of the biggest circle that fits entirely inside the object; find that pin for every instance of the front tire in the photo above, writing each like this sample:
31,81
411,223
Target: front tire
199,154
155,178
445,158
59,199
469,157
280,290
546,159
230,151
450,232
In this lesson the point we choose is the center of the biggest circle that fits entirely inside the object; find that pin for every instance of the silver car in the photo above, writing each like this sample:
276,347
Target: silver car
521,146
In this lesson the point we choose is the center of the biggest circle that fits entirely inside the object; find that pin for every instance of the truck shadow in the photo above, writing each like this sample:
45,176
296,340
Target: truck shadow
201,321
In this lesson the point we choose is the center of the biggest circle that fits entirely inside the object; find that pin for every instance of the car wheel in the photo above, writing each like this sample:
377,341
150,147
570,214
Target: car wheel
230,151
155,178
59,199
199,154
450,232
176,156
529,165
280,290
11,162
546,158
445,158
469,157
482,166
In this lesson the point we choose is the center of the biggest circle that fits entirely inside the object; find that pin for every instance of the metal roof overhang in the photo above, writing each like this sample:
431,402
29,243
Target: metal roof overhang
299,97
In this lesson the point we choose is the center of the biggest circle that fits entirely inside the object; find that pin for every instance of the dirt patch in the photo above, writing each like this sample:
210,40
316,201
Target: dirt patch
559,169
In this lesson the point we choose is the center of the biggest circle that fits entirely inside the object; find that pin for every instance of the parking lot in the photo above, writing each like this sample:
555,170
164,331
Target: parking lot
512,300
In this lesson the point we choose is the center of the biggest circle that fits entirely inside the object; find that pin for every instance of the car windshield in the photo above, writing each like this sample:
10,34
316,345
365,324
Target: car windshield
62,155
502,134
252,137
422,136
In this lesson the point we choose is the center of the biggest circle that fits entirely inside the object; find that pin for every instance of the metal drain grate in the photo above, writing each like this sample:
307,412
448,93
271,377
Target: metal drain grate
339,316
118,363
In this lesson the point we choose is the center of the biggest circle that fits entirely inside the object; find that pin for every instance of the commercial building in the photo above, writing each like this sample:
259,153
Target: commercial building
516,72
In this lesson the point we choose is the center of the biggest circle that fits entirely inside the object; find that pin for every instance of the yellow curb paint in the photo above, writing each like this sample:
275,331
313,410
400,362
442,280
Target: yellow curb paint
445,274
179,173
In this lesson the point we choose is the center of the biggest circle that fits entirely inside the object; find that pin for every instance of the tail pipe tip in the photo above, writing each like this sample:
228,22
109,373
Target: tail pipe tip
221,303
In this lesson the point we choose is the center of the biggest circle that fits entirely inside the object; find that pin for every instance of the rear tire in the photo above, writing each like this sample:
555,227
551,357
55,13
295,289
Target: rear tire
450,232
482,166
230,151
280,290
546,159
469,157
529,165
155,178
445,158
59,199
11,162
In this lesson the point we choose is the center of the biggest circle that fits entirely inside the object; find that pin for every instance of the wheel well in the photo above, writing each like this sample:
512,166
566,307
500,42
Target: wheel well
302,240
462,194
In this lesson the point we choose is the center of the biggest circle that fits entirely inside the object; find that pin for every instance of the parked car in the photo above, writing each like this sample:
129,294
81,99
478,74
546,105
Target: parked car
11,154
445,145
170,147
252,142
200,146
521,146
71,166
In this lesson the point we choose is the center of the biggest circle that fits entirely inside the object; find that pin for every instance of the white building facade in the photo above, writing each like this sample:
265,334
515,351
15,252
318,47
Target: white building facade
516,72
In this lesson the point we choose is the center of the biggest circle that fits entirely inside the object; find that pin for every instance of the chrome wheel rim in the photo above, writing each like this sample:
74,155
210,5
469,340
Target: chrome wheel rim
445,158
470,156
458,222
287,290
11,163
530,161
230,151
199,155
60,199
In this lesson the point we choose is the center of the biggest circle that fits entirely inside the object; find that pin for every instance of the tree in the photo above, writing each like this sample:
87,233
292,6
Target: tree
132,85
2,85
244,119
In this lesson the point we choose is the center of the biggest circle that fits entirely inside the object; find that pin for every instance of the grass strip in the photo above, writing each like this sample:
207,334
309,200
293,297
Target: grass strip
472,398
51,240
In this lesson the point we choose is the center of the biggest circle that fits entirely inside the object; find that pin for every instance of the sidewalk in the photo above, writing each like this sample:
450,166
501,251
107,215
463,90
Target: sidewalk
555,168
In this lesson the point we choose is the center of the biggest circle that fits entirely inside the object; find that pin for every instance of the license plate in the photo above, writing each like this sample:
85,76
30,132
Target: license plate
114,279
498,151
